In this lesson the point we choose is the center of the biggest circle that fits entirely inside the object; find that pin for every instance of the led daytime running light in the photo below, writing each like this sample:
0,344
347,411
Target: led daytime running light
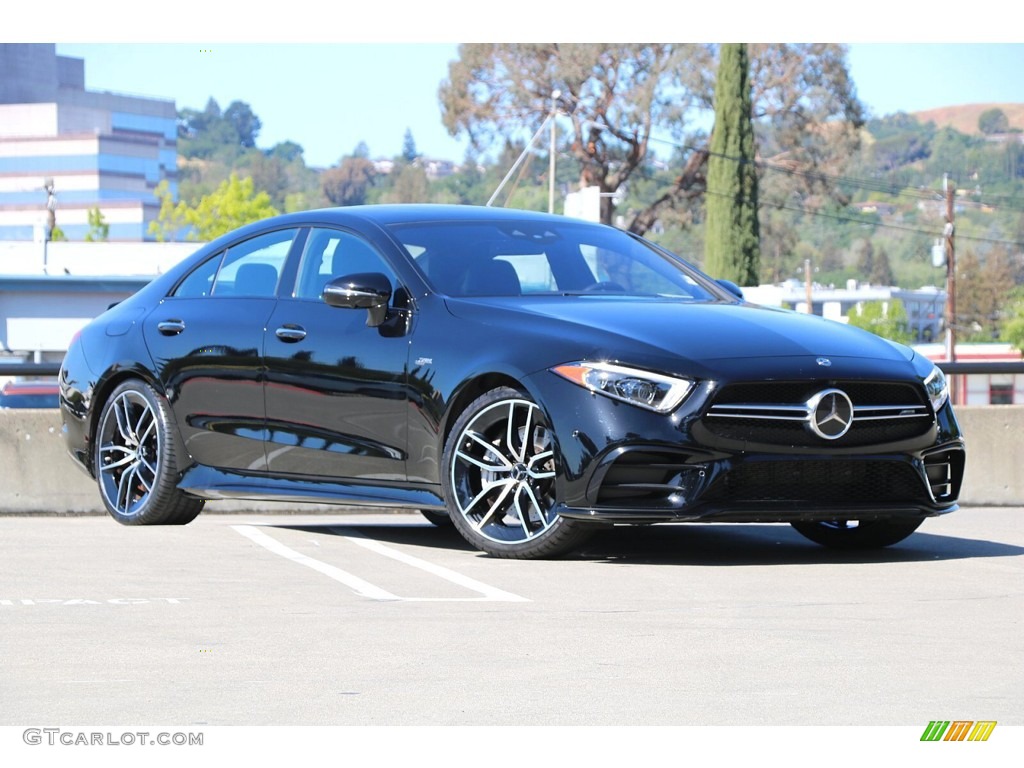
652,391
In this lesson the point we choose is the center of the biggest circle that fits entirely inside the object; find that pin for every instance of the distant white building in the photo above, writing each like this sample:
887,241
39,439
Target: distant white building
44,303
100,150
925,307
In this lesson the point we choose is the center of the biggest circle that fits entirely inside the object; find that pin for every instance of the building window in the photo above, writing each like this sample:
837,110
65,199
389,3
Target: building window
1000,389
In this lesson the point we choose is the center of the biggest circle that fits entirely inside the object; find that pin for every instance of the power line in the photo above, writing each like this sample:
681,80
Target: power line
871,185
838,217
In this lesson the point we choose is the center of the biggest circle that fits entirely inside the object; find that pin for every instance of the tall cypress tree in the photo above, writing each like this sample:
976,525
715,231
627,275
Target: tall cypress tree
731,242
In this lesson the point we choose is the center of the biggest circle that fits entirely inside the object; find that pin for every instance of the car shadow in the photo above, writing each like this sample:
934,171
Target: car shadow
697,544
753,544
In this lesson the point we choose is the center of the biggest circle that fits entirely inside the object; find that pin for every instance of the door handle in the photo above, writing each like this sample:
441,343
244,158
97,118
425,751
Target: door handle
170,327
291,333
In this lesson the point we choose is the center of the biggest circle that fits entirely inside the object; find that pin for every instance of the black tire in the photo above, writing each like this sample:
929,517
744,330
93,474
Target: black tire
499,482
135,462
853,534
440,519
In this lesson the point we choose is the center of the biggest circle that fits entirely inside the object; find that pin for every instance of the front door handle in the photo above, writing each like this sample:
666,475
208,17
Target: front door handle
170,327
291,333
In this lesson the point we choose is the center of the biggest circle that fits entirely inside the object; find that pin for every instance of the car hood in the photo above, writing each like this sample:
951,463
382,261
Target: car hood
700,332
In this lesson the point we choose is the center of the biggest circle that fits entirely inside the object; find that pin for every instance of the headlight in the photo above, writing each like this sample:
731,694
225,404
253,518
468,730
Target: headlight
937,389
648,390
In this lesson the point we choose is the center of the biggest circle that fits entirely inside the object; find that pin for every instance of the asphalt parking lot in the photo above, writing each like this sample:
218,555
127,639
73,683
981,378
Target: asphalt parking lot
382,619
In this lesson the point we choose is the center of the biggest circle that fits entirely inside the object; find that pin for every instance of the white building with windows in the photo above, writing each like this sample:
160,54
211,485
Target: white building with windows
100,150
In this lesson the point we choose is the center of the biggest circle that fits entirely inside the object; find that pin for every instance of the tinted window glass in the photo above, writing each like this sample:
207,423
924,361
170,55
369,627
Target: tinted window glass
200,282
253,268
331,253
523,258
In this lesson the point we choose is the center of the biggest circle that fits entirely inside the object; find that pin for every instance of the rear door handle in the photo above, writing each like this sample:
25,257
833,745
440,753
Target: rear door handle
170,327
291,333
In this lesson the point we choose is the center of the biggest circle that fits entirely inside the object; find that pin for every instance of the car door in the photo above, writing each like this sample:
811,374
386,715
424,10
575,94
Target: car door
336,387
206,339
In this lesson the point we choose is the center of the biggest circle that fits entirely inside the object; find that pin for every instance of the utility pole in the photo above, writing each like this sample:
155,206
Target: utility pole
948,233
551,153
807,285
51,220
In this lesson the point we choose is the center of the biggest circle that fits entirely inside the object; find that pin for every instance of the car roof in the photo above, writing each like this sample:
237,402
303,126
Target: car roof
387,214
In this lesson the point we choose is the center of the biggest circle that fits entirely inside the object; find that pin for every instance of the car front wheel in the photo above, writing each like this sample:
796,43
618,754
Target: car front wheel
136,466
500,470
857,534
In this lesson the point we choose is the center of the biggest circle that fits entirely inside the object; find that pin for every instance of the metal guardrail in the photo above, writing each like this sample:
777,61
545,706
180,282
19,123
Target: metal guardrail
969,367
965,367
29,369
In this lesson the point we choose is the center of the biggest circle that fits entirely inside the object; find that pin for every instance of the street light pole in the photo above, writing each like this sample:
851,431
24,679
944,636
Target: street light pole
551,152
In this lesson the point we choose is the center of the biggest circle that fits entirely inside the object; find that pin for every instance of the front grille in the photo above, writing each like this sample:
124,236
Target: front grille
860,392
832,482
777,413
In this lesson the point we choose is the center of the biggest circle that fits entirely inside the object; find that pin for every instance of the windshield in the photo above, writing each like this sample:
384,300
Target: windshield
540,258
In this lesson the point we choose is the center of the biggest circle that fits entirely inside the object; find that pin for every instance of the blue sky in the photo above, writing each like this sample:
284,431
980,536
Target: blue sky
330,76
329,97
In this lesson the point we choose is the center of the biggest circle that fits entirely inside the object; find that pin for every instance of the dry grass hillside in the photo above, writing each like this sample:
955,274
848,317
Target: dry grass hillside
964,118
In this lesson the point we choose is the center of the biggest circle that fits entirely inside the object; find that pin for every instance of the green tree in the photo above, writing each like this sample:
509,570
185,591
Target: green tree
1012,330
617,96
349,182
881,269
288,151
993,121
410,185
243,120
233,204
99,230
732,234
885,319
983,290
409,153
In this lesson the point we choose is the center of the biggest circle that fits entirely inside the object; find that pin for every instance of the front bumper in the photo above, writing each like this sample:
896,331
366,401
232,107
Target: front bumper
623,464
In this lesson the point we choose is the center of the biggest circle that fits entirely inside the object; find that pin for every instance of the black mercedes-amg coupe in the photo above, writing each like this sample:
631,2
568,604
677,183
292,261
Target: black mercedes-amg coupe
526,377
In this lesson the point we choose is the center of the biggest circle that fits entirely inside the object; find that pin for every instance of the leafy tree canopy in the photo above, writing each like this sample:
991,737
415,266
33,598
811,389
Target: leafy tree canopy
885,319
993,121
617,96
233,204
732,240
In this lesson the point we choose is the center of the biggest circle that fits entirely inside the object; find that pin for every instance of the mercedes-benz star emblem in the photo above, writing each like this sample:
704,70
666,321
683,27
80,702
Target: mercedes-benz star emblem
830,414
823,361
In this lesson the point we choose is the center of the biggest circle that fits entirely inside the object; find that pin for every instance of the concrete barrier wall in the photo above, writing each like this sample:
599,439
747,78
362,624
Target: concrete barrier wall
37,476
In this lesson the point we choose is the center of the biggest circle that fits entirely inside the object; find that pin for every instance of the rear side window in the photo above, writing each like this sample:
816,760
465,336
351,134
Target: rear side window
251,268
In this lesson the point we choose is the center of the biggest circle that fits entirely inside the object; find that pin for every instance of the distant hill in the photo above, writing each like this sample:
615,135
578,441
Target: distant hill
964,118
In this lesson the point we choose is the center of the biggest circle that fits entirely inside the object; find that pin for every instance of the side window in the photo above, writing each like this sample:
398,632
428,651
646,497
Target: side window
331,253
251,268
200,282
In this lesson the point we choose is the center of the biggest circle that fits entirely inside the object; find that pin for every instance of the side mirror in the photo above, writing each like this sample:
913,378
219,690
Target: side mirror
366,290
731,287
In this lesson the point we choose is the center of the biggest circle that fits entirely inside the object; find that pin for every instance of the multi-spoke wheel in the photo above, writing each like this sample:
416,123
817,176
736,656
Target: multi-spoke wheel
135,460
500,471
858,534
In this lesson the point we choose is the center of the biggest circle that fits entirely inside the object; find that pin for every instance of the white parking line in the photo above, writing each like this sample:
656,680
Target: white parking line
489,592
365,588
357,585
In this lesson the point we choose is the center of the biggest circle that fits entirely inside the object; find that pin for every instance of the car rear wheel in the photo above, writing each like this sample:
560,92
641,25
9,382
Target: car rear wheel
857,534
500,470
136,466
